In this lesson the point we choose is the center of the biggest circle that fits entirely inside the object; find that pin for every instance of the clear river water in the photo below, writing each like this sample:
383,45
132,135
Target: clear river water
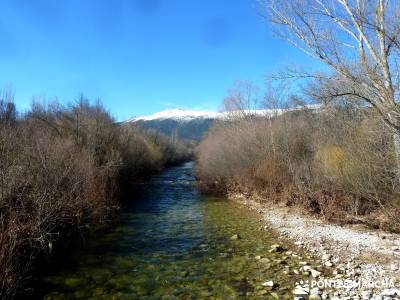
174,243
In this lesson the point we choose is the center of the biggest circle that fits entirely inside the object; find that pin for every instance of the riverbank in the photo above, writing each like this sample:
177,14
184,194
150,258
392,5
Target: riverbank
65,171
203,248
351,252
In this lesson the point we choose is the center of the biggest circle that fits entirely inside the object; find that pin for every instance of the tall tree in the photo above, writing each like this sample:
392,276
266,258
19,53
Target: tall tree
242,100
359,40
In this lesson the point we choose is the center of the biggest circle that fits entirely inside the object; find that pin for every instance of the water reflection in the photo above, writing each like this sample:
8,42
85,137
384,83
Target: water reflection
175,244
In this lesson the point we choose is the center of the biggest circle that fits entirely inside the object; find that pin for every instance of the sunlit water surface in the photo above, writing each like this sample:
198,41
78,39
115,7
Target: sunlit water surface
173,243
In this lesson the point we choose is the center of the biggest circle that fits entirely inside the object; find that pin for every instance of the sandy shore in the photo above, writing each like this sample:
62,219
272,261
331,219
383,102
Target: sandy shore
352,253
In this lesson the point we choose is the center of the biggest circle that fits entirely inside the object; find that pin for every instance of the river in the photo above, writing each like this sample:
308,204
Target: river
174,243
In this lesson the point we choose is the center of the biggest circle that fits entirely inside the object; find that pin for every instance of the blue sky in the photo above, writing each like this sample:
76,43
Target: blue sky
137,56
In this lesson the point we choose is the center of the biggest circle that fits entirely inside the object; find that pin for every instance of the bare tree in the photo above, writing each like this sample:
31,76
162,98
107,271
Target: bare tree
8,113
242,100
359,40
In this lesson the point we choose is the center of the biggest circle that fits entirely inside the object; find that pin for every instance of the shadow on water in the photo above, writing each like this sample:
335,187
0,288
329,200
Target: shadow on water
173,243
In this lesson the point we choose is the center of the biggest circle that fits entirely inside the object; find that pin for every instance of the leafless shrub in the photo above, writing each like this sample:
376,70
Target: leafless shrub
358,41
338,162
61,169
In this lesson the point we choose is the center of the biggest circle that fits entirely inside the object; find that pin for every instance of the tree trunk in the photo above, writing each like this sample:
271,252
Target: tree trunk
396,144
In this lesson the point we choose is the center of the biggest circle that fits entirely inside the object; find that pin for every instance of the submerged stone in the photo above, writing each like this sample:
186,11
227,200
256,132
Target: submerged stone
235,237
75,282
268,283
274,295
184,273
275,248
177,244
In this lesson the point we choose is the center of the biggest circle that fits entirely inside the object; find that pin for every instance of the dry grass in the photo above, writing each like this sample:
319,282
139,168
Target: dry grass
62,169
338,163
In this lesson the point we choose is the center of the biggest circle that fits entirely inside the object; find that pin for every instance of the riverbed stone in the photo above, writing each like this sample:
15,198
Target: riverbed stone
394,267
314,297
184,273
274,295
74,282
315,273
168,297
125,262
235,237
100,276
262,292
326,256
240,272
328,264
276,248
306,268
268,283
81,294
265,260
365,295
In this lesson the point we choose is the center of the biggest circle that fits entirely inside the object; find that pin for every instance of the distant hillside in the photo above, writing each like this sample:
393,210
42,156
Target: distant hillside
189,124
184,124
192,130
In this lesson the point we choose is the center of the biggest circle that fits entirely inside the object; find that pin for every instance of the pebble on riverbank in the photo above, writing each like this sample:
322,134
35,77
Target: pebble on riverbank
345,253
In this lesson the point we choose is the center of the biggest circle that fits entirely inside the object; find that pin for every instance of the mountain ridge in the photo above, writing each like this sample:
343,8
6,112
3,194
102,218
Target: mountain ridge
194,124
177,113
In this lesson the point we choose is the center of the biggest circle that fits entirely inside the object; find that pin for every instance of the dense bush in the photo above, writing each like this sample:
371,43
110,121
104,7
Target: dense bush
338,162
61,170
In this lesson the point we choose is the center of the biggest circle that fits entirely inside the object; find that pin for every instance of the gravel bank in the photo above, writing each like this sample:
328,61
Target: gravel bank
353,254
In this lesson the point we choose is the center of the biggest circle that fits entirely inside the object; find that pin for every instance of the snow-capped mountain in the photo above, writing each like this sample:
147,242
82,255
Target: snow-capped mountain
185,124
189,115
178,114
193,124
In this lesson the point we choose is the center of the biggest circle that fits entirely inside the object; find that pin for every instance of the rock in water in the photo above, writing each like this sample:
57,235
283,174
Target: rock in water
268,283
235,237
275,248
